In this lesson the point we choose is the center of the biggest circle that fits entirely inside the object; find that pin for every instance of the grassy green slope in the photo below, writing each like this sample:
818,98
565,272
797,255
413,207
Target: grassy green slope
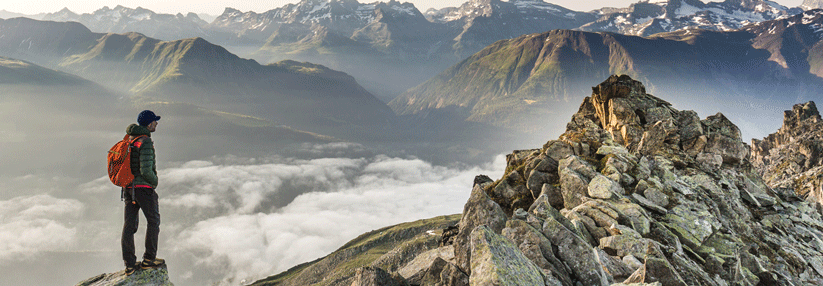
198,72
541,74
14,71
513,76
370,248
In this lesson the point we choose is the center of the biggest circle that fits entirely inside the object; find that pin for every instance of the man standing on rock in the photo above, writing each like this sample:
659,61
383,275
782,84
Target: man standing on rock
141,195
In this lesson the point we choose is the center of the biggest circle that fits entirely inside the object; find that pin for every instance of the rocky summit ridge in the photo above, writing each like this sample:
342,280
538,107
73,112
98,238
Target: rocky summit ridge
792,157
635,191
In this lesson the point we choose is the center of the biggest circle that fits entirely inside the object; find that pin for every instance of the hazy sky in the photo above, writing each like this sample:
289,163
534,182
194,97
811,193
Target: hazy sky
216,7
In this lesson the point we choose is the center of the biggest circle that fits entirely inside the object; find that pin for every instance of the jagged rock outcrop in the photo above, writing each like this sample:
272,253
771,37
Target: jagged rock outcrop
638,191
154,277
635,192
792,157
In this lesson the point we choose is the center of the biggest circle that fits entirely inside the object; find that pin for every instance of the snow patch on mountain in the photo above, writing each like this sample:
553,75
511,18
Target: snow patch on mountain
534,4
738,15
638,19
816,28
409,10
810,16
686,10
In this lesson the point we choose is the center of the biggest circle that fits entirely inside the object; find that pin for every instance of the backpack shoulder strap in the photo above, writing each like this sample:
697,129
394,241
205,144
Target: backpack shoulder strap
138,141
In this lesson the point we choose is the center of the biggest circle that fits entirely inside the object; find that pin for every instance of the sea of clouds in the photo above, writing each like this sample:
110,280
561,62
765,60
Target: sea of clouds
233,220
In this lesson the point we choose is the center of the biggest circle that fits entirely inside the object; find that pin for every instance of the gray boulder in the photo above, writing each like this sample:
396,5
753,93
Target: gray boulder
602,187
692,135
724,139
573,185
479,210
374,276
537,248
657,136
439,273
576,253
511,193
415,269
497,261
557,150
537,179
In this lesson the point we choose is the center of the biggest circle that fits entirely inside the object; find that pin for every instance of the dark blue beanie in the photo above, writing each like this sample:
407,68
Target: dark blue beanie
147,117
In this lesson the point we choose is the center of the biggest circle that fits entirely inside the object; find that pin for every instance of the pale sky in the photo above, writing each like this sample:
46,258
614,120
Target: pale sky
216,7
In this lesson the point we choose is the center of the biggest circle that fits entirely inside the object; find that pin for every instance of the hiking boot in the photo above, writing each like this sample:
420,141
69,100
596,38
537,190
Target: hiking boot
154,263
130,270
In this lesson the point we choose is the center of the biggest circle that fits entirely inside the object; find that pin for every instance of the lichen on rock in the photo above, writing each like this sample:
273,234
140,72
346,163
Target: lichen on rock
638,180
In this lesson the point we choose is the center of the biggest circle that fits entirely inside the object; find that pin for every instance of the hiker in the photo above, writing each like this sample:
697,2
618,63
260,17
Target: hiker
141,195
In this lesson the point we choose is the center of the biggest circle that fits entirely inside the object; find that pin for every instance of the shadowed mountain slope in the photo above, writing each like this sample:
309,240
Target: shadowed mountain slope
195,71
47,112
539,74
391,46
13,71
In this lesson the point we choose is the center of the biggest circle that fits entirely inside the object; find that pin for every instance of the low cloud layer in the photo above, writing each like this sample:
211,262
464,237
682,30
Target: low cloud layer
344,198
32,225
230,219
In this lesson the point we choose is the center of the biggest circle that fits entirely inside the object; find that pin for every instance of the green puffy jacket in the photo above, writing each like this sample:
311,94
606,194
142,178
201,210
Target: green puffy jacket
143,164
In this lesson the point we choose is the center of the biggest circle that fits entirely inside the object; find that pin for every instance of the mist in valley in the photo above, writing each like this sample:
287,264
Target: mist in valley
238,203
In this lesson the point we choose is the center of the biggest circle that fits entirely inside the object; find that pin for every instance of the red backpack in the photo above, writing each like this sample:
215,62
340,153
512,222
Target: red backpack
119,159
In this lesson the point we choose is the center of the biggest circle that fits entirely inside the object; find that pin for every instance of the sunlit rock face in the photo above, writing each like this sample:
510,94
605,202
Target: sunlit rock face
634,191
792,157
651,191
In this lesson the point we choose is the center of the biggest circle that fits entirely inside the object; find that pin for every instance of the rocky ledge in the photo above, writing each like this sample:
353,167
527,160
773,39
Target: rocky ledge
634,191
153,277
792,157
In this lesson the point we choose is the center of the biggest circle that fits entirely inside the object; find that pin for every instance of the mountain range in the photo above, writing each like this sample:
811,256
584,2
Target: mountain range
9,14
194,71
144,21
761,65
392,46
652,17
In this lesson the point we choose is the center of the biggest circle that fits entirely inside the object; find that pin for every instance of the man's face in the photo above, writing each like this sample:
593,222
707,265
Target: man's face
153,126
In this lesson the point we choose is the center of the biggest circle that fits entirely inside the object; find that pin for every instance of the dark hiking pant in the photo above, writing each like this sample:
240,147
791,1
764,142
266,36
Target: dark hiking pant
145,199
